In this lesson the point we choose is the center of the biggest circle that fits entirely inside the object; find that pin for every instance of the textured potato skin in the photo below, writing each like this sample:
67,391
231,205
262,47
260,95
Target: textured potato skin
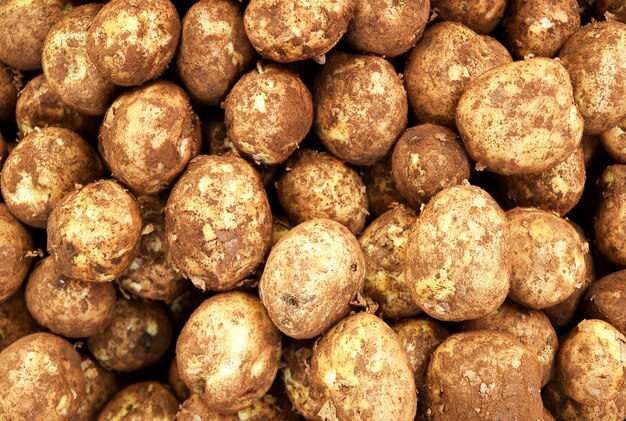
481,16
245,339
42,169
10,85
442,64
599,78
614,142
473,375
527,132
363,371
218,222
603,300
298,383
42,379
610,232
16,243
380,187
141,401
209,61
15,320
457,255
268,113
176,383
361,107
287,32
100,386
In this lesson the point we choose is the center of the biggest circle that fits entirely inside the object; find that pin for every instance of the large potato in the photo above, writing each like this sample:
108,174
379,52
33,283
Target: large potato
16,245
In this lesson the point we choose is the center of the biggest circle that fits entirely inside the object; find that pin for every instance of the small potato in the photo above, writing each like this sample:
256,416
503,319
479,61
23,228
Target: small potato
380,186
296,377
44,168
15,320
268,112
299,30
457,256
16,247
474,375
533,122
363,371
138,336
427,159
609,223
614,142
594,58
213,51
176,383
240,365
360,107
318,185
132,42
93,233
590,362
387,29
10,85
310,278
100,386
615,7
442,64
141,401
604,300
481,16
41,379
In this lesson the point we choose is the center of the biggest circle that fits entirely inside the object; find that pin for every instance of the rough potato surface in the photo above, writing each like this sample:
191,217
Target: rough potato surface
603,300
176,383
296,377
481,16
609,223
141,401
380,187
15,320
10,85
100,386
16,247
614,142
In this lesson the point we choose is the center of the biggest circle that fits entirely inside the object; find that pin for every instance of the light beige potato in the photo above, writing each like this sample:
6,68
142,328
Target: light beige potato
16,253
481,16
380,186
520,118
310,278
297,381
363,372
141,401
614,142
609,223
15,320
100,386
10,85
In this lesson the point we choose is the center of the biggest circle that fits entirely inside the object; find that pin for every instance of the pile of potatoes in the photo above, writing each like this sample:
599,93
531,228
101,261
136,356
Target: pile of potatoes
329,210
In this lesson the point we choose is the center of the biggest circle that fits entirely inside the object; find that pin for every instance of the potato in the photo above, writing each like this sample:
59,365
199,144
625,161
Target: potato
481,16
442,64
41,378
318,185
141,401
590,362
615,7
68,69
384,244
93,233
296,378
286,32
520,118
594,59
15,320
360,107
10,85
427,159
218,222
241,364
138,336
539,28
16,247
557,189
387,29
603,300
216,137
214,50
474,375
44,168
29,22
363,371
176,383
614,142
100,386
133,42
380,186
269,111
310,278
609,226
457,256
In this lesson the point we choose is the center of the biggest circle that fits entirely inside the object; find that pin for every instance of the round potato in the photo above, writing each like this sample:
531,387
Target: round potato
533,122
241,364
615,7
141,401
311,276
380,186
457,255
10,85
296,377
100,386
363,372
610,220
360,107
16,247
614,142
15,320
603,300
481,16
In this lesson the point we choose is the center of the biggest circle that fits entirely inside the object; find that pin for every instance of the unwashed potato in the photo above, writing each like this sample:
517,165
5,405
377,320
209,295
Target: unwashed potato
141,401
176,383
41,378
481,16
520,118
380,187
442,64
363,372
132,42
614,142
615,7
296,377
42,169
473,375
604,300
311,276
456,260
360,107
10,85
15,320
241,364
609,227
100,386
16,247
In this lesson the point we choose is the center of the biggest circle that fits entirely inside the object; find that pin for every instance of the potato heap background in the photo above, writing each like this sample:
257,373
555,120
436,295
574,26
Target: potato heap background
330,210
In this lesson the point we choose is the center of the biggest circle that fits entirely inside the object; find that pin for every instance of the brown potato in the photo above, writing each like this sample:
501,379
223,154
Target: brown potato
100,386
10,85
176,383
380,186
296,378
363,371
481,16
604,300
457,256
16,247
141,401
609,226
360,107
15,320
310,278
534,123
614,142
615,7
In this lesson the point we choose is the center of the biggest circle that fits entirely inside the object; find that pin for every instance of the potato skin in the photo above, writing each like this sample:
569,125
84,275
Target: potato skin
457,255
176,383
218,222
380,186
10,85
528,133
141,401
603,300
100,386
481,16
245,338
16,243
297,381
363,371
42,379
307,299
15,320
614,142
610,231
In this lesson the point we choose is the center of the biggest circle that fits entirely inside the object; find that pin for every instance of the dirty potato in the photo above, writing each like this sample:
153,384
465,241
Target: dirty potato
10,85
16,253
603,300
380,187
609,223
614,142
481,16
100,386
141,401
15,320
